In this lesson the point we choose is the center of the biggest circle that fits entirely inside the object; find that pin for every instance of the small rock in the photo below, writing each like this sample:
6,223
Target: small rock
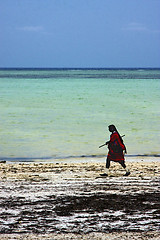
3,161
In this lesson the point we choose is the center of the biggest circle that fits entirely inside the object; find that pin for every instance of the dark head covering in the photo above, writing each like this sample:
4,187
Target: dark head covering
115,129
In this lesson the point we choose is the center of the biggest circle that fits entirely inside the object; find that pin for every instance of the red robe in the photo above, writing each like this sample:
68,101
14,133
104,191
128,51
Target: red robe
116,148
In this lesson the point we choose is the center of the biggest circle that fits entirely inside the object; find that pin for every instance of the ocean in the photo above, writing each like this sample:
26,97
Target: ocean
51,114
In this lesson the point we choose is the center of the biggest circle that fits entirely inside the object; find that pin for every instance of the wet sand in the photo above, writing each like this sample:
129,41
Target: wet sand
71,201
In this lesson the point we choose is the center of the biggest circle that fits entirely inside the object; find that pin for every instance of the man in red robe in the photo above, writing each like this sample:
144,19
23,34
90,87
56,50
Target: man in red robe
116,150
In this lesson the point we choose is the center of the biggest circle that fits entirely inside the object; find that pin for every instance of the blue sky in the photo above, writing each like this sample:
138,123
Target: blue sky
80,33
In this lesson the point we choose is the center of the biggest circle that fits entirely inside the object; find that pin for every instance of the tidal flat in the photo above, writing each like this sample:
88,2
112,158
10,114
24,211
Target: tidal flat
71,201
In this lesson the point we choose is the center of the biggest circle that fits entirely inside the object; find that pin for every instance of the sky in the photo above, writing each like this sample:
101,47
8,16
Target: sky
80,33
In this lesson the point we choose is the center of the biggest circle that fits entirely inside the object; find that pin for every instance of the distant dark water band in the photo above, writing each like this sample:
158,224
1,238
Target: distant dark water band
32,159
147,73
81,76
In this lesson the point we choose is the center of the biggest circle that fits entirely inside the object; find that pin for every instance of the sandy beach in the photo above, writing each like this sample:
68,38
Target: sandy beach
71,200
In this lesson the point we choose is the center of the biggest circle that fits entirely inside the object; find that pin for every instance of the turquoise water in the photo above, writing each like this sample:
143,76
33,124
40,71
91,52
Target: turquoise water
65,112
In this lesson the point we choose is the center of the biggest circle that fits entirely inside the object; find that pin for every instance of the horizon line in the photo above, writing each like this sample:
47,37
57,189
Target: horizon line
75,68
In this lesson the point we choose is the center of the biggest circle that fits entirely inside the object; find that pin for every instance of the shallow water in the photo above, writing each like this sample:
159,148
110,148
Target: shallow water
49,114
